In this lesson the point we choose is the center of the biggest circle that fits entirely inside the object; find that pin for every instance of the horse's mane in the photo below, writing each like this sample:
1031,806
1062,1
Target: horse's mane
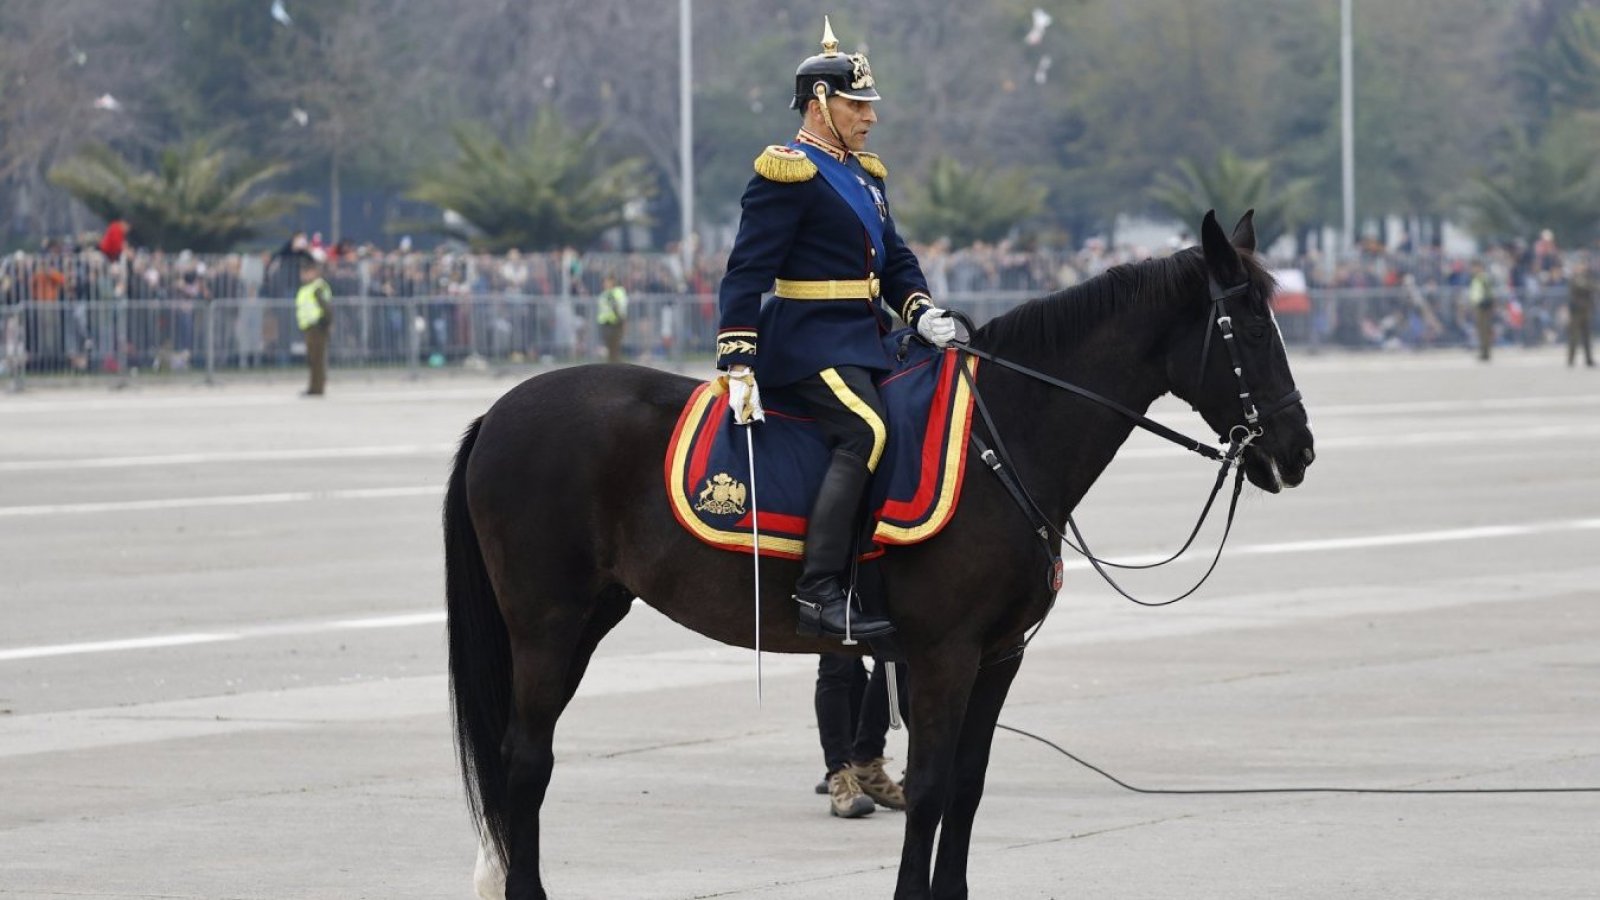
1044,324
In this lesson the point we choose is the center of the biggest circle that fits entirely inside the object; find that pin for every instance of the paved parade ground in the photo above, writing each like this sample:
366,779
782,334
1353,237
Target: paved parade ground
222,658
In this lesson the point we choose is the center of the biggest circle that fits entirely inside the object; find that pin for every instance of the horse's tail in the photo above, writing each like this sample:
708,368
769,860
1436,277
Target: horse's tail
480,657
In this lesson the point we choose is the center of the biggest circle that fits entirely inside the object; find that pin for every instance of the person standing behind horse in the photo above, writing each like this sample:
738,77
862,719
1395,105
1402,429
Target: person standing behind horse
314,313
612,317
1480,293
1580,310
816,229
853,725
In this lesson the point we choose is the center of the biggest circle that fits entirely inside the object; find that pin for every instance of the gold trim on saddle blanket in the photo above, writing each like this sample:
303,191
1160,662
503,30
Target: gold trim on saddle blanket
693,414
955,452
857,289
685,497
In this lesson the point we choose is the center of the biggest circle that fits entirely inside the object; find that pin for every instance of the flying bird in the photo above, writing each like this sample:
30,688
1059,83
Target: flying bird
281,14
1041,21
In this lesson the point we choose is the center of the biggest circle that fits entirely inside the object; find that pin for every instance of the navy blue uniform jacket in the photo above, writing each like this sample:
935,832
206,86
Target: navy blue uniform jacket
803,230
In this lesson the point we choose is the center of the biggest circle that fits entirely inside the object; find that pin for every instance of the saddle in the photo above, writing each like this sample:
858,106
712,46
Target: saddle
915,489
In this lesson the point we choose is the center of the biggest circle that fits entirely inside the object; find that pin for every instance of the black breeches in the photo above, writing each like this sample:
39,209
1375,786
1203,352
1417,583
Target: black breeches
845,404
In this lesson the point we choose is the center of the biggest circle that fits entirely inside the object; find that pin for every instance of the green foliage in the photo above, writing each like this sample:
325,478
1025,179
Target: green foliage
1550,182
553,189
967,205
197,198
1230,186
1567,68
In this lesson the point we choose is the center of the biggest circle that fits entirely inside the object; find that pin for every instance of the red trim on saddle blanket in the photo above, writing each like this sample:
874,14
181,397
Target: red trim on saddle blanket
916,489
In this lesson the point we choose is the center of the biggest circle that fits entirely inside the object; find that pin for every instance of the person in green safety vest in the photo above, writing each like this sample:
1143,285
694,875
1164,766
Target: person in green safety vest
1480,293
314,313
612,317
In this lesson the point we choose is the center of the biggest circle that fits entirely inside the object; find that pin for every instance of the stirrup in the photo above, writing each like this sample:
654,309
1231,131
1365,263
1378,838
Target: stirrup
812,620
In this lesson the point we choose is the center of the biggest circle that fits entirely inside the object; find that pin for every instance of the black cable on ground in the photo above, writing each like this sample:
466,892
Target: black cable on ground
1288,790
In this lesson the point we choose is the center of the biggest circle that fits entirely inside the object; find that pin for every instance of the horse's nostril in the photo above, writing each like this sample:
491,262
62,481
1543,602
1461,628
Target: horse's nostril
1309,455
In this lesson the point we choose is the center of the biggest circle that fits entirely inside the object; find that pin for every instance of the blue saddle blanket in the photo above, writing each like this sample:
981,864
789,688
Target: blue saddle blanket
914,492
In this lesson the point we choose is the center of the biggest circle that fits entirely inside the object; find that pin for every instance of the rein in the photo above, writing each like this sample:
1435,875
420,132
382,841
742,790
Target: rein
1239,437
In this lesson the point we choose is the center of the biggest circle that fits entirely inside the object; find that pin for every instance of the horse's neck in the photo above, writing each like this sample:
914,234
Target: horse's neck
1064,442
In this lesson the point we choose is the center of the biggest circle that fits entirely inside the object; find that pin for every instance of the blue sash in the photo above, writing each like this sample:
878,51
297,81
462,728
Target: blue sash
850,187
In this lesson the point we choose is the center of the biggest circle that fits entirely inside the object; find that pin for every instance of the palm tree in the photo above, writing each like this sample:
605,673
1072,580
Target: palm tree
553,189
966,205
1230,186
196,199
1549,182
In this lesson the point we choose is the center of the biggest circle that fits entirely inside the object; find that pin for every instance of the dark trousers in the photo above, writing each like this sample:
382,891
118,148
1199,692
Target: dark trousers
1484,319
317,357
1580,334
852,710
611,333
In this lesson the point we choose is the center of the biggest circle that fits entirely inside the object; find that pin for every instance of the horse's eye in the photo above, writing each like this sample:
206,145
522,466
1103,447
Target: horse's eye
1255,331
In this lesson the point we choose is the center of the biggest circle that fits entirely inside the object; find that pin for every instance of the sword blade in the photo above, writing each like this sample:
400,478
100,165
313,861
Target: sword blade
755,544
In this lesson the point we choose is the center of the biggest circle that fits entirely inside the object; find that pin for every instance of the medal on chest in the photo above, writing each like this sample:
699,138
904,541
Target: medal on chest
877,198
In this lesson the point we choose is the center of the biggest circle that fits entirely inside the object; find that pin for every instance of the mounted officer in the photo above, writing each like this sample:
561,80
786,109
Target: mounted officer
816,230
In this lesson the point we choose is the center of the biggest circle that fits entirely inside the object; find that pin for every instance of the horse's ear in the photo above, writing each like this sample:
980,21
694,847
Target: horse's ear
1244,233
1221,258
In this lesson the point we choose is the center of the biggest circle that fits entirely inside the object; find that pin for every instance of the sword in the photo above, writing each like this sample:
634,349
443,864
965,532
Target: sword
892,684
755,543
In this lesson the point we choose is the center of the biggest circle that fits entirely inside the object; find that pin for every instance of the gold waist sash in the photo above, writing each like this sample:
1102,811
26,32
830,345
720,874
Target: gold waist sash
858,289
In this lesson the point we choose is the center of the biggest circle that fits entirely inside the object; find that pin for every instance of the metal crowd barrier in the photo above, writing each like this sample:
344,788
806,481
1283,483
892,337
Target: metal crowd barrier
68,340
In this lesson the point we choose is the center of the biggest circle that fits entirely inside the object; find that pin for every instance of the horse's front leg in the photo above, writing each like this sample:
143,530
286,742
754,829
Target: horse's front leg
966,780
940,683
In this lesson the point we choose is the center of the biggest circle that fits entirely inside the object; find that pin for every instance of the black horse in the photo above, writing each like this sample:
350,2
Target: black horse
556,517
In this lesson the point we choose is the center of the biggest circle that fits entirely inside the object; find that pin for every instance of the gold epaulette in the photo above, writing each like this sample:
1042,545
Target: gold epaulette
785,164
873,164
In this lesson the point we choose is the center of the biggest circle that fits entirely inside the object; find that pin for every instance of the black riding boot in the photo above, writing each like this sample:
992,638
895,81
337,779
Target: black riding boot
831,534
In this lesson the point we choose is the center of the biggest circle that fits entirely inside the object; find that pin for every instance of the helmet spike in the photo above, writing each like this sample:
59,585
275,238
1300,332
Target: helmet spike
830,44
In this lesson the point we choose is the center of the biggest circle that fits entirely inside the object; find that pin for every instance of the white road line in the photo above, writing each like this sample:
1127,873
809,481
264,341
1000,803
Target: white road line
1367,542
403,620
1158,451
224,456
1174,417
1153,448
488,391
289,629
61,509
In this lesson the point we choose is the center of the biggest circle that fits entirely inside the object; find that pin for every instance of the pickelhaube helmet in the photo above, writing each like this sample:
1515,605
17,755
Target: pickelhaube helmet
847,76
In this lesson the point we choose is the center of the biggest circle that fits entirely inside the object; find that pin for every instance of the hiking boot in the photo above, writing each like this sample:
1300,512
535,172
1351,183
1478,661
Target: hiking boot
877,784
845,798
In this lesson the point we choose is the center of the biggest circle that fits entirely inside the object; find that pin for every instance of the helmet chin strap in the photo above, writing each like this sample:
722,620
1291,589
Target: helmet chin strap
819,90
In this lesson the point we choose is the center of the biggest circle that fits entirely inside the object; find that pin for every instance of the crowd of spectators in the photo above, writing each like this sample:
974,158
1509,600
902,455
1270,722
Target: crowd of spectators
1389,298
1406,298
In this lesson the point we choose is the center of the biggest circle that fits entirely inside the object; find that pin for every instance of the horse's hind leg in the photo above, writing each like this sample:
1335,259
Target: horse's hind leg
548,661
966,781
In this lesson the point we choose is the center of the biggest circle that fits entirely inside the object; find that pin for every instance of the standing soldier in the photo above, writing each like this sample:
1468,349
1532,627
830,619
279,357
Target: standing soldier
1480,293
315,316
816,230
612,317
1580,310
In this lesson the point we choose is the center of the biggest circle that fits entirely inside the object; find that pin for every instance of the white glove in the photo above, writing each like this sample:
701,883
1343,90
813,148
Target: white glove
936,327
744,398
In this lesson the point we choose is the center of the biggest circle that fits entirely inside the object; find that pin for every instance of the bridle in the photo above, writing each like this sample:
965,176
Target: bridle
1239,437
1219,313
